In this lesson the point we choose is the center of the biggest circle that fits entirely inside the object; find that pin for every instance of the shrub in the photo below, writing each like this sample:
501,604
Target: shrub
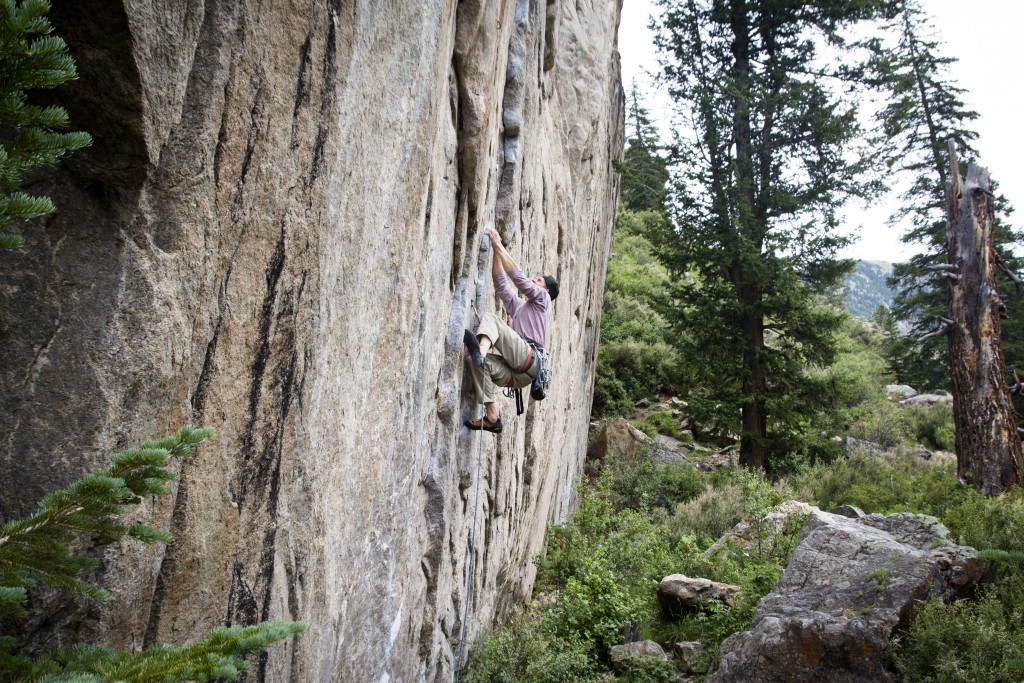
881,422
650,670
966,641
630,370
593,606
932,426
524,652
660,422
648,485
980,522
712,513
884,484
567,545
756,577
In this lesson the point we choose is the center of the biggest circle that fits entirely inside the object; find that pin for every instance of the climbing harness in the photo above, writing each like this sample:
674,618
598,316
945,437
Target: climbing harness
472,535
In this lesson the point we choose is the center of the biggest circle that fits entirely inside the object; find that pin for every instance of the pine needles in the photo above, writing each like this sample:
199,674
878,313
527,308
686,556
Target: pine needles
31,59
37,550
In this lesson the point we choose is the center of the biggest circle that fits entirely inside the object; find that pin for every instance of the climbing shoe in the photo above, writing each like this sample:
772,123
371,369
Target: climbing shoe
473,347
485,424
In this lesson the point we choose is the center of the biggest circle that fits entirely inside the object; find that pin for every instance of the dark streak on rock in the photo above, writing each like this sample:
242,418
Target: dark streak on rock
259,366
302,88
328,85
430,564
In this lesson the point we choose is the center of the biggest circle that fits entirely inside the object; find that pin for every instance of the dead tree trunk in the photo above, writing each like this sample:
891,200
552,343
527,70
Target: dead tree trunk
988,447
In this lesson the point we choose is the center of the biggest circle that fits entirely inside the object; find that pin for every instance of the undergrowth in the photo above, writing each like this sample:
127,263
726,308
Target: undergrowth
637,524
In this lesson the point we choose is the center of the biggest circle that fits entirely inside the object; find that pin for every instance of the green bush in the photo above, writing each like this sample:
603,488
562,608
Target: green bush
650,670
611,397
630,370
880,421
932,426
593,606
709,515
981,522
966,641
567,545
755,579
884,484
647,485
524,652
660,422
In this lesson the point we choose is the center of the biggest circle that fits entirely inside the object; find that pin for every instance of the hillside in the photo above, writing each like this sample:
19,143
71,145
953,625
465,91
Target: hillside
866,288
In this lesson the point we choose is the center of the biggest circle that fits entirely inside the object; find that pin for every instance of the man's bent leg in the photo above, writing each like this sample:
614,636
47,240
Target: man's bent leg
504,340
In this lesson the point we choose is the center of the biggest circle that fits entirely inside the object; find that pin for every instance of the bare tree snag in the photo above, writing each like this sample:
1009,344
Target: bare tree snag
988,446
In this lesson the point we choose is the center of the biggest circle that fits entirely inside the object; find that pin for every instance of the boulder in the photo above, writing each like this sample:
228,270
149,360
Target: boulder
620,654
854,446
848,585
928,399
668,450
619,437
899,392
720,459
680,594
851,511
690,657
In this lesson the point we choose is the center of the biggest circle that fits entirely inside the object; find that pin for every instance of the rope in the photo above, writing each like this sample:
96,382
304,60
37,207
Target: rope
472,536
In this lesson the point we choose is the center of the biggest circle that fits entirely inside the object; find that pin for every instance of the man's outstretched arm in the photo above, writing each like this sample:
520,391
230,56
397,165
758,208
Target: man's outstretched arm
509,265
503,261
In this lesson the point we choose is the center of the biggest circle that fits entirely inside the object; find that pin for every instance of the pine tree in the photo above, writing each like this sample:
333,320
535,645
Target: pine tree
36,550
644,167
772,156
30,59
925,111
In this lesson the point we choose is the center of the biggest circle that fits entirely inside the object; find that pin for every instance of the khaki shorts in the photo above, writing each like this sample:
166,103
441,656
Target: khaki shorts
508,353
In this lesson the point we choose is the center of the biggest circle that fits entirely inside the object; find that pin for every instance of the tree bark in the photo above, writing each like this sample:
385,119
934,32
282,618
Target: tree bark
753,449
988,447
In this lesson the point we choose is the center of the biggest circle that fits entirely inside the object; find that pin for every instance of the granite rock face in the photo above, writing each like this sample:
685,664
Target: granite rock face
848,585
277,233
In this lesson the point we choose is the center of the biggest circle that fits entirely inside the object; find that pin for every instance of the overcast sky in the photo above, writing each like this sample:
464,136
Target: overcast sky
984,35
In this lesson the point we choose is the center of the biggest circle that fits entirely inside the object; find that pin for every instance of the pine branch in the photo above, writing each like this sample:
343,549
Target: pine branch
218,657
996,555
36,549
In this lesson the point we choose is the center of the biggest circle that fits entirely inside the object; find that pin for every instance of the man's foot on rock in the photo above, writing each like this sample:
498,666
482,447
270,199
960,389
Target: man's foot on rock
485,424
473,347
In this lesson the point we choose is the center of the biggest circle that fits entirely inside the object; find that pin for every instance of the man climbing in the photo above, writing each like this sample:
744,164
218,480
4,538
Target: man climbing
509,355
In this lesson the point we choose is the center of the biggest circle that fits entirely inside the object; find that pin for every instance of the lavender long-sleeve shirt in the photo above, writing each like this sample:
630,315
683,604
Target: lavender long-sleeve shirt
530,317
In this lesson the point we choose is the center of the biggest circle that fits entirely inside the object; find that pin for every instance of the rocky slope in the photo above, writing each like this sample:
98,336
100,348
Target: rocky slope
866,288
277,234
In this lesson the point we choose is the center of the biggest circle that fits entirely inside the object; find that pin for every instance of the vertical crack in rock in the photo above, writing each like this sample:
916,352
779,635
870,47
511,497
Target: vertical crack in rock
551,17
208,371
512,115
303,85
259,366
461,211
431,562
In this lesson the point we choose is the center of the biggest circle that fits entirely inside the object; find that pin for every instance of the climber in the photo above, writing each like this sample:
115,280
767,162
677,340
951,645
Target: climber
510,355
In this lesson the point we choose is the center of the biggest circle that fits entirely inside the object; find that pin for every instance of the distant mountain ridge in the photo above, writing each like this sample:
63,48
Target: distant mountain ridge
866,289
